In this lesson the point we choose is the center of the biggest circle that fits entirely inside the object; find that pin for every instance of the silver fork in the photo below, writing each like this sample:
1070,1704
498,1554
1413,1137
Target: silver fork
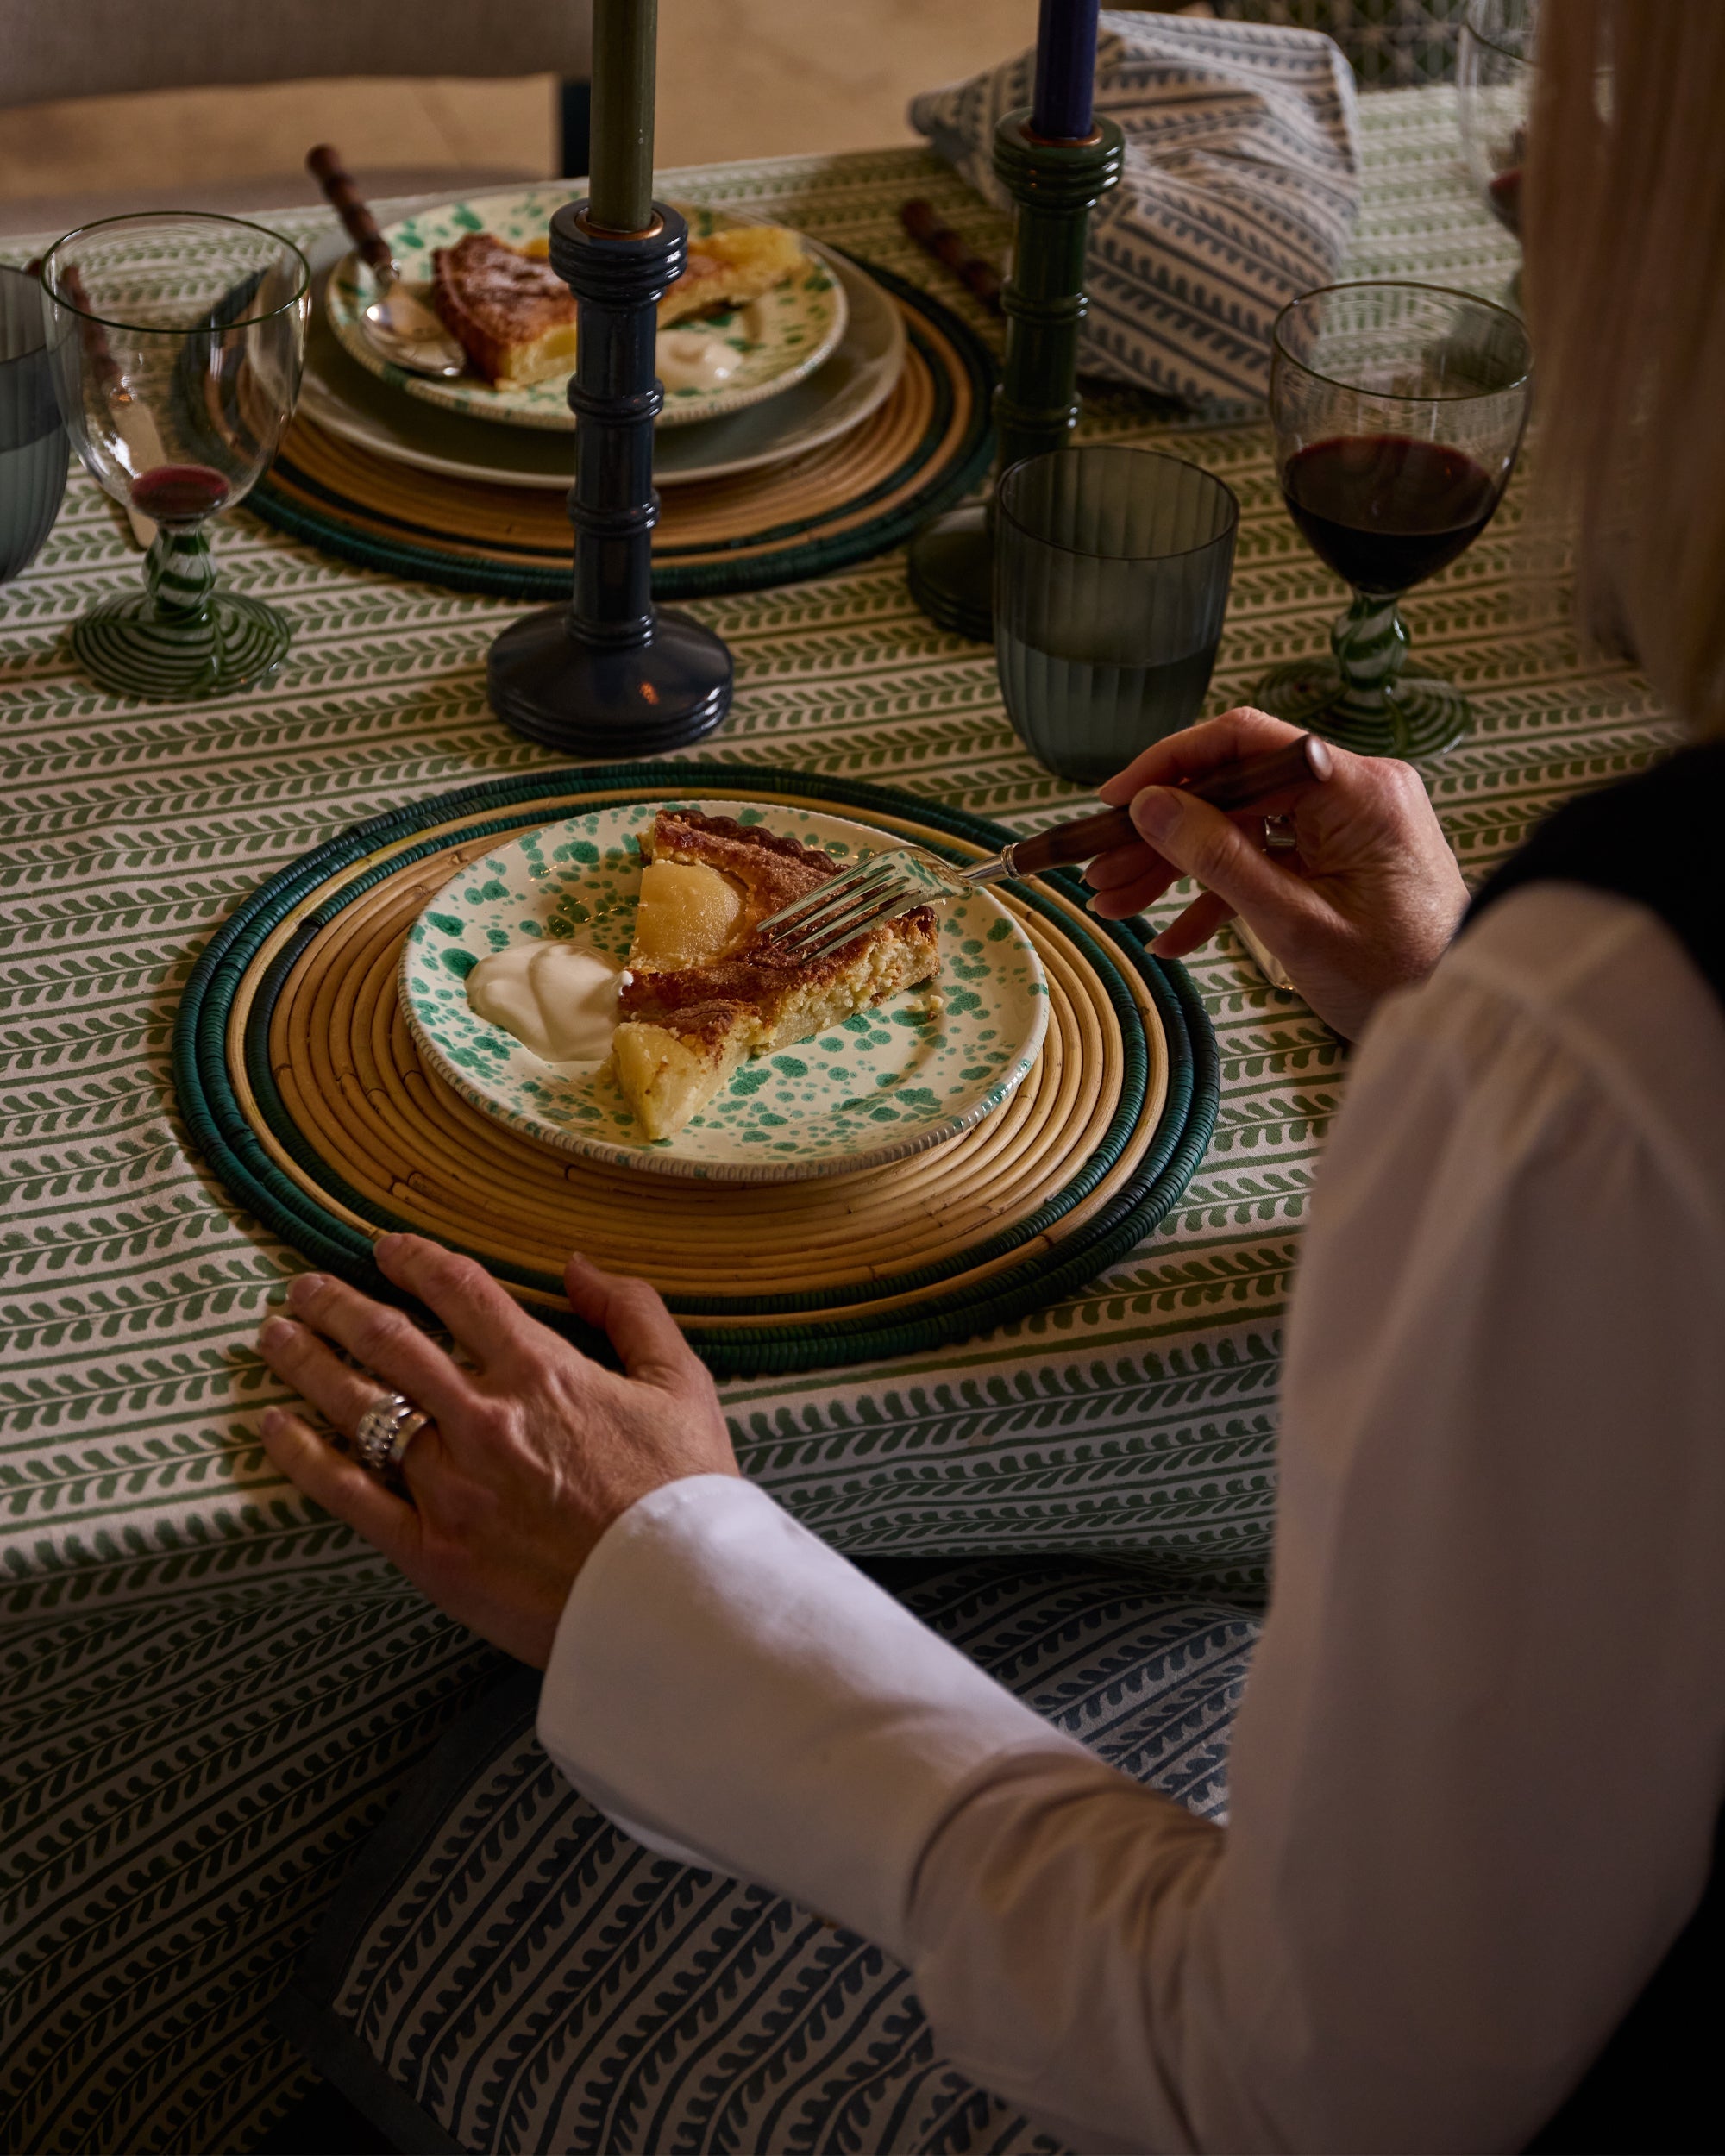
881,886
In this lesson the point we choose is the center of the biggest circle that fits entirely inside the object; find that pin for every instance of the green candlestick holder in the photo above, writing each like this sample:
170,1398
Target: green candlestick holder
1054,185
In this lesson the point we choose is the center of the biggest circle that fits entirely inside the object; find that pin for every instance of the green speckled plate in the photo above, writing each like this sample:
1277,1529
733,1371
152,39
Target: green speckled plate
888,1083
779,339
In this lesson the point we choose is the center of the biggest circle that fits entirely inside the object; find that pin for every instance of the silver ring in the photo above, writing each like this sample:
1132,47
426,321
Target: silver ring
385,1431
1279,834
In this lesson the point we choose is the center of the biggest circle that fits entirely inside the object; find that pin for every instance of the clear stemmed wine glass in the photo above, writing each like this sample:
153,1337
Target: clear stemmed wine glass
1495,80
176,340
1397,410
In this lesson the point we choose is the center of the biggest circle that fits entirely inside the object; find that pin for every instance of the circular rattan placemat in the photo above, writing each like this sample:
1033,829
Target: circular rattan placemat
300,1080
926,445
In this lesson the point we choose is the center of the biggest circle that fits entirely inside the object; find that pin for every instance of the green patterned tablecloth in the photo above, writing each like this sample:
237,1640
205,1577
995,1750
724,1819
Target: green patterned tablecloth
211,1694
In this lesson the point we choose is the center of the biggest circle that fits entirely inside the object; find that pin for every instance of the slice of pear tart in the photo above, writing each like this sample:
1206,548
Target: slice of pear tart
702,994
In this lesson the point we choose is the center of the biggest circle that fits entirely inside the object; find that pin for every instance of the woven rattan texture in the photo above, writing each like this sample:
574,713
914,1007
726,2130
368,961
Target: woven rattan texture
921,450
299,1075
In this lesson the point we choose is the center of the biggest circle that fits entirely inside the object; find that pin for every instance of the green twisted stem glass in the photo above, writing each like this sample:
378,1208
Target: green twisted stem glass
1397,410
175,340
1366,696
182,636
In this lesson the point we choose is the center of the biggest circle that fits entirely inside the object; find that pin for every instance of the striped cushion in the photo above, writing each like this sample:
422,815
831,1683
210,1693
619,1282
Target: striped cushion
507,1971
1240,189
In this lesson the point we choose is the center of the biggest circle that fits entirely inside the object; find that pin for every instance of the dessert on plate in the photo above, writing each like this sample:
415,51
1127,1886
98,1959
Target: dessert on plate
701,991
729,268
515,317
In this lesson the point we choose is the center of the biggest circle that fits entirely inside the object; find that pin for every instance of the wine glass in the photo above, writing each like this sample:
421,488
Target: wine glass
1397,410
176,340
1112,568
32,440
1494,78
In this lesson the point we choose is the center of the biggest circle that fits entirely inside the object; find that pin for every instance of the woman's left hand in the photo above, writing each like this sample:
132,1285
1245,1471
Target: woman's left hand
530,1454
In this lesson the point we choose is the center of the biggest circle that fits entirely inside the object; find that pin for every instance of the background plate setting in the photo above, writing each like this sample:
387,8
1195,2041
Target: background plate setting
889,1082
850,384
922,448
779,338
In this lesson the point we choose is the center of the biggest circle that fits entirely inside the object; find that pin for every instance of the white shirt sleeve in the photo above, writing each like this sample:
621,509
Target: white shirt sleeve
1474,1780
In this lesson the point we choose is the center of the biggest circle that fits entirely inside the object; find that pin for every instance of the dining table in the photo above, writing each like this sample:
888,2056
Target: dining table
213,1692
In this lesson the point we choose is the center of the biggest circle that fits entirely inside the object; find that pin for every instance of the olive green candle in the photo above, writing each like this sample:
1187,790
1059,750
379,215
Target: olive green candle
620,185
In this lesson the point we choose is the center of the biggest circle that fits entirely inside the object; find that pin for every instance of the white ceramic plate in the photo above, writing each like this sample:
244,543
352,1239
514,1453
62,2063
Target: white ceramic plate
889,1082
860,375
778,339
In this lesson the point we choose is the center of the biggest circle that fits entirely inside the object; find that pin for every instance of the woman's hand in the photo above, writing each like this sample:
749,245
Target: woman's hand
1366,898
530,1454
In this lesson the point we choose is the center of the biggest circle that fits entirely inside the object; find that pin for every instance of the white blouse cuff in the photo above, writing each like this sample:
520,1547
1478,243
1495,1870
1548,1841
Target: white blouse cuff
735,1695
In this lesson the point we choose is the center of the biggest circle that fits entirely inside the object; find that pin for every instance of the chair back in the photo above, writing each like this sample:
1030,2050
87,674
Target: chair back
83,48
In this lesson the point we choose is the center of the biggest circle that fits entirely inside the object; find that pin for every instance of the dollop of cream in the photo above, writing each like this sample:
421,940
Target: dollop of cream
556,999
688,359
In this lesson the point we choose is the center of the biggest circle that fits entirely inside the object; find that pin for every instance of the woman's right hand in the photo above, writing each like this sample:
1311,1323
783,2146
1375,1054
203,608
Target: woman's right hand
1365,901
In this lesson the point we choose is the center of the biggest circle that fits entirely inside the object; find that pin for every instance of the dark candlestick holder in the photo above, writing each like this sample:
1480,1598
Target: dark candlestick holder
1056,186
611,674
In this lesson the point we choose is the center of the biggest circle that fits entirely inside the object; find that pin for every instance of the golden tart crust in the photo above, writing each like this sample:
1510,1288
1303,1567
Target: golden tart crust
731,267
514,316
683,1030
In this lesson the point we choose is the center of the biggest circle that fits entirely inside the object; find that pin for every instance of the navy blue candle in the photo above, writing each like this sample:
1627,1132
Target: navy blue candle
1065,69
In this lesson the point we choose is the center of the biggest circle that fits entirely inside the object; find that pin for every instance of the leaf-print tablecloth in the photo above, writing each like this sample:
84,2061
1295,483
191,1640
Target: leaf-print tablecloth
212,1694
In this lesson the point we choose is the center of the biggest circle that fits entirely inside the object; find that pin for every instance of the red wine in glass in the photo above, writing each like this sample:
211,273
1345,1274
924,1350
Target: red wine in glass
178,493
1503,191
1504,195
1397,410
1386,511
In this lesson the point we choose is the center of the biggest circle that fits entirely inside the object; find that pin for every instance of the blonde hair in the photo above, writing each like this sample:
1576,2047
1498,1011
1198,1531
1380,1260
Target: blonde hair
1624,216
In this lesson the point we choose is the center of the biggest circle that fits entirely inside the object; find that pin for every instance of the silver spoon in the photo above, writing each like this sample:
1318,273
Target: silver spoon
403,328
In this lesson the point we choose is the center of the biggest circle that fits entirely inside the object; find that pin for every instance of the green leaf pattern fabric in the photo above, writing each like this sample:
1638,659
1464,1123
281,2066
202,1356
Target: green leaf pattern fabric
211,1695
507,1970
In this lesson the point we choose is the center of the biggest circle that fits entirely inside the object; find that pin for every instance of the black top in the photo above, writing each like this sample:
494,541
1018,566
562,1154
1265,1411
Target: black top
1660,839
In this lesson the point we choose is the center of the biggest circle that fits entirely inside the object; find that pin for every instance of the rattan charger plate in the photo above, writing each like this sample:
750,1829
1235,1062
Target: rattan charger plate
918,452
300,1081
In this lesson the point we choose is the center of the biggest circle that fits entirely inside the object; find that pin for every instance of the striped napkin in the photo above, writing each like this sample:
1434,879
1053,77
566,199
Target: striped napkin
1240,188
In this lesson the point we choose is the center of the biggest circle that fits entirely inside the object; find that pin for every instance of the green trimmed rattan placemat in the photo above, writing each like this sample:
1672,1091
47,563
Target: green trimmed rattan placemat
926,445
299,1081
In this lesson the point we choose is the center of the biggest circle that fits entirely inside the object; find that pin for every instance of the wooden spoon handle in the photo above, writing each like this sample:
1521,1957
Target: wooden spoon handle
324,164
931,232
1237,787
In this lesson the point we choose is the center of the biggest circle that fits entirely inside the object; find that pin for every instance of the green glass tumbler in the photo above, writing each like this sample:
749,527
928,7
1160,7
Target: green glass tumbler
176,342
32,440
1112,568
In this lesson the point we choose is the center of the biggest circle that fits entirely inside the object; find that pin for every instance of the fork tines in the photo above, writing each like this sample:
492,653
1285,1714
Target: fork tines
849,902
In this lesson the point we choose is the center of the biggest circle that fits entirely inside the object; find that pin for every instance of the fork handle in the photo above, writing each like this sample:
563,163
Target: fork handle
1068,844
1236,786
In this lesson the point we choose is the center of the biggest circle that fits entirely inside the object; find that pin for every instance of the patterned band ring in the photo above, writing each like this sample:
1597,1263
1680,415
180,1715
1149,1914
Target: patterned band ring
385,1431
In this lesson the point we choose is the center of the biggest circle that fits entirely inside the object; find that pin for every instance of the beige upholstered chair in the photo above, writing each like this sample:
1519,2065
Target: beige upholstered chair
52,50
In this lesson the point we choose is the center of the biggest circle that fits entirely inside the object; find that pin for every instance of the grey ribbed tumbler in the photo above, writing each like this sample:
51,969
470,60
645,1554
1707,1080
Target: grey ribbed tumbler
32,445
1112,568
